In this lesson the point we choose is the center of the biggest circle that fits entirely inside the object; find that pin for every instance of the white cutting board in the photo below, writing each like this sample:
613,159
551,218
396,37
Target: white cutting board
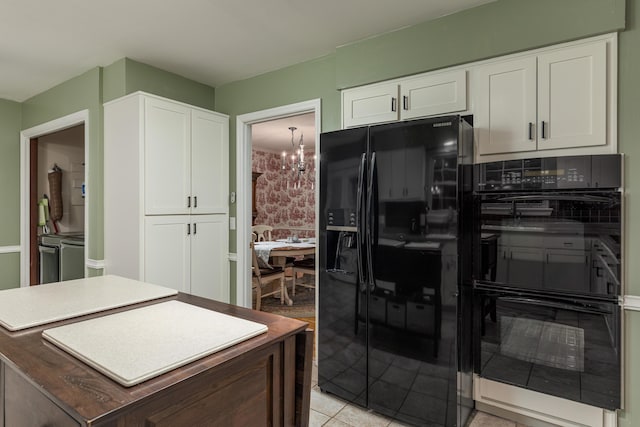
23,308
136,345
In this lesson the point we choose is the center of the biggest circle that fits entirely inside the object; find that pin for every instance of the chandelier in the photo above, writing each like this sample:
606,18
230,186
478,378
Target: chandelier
297,166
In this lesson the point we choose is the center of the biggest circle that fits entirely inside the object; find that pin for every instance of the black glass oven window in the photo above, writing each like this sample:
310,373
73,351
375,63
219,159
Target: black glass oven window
573,354
559,243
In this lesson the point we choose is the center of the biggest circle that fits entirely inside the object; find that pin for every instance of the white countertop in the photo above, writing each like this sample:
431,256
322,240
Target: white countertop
31,306
139,344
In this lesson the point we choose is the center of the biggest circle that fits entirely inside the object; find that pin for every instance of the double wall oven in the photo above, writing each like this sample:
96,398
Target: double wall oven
547,289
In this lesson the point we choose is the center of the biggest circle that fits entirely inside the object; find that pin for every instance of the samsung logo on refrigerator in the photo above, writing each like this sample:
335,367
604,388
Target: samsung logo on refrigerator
441,124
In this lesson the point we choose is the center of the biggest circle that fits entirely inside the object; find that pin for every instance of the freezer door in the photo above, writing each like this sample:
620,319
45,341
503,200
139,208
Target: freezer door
342,320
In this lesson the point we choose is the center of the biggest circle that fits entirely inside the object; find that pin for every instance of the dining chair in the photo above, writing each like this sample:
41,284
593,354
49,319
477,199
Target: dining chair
263,232
262,276
305,266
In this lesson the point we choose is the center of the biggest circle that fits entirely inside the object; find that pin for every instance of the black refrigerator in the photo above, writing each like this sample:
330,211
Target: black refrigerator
395,265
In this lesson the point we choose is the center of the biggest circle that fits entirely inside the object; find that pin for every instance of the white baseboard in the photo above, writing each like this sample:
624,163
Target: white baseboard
539,406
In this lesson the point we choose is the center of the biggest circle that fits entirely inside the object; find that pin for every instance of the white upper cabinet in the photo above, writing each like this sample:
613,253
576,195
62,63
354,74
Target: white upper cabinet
184,151
370,104
167,145
554,101
505,111
209,162
437,93
551,102
420,96
572,97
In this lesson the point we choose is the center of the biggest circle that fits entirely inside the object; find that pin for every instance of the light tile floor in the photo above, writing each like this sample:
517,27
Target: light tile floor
330,411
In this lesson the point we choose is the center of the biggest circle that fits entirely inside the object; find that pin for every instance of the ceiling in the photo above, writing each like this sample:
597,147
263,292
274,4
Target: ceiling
44,43
275,136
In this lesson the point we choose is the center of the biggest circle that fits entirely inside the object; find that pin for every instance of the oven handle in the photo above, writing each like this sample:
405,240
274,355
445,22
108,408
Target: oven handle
563,306
568,197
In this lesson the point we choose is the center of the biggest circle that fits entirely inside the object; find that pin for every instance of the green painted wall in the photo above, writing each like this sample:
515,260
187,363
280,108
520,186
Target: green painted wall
498,28
139,76
628,131
114,80
126,76
9,271
10,117
83,92
88,92
10,114
302,82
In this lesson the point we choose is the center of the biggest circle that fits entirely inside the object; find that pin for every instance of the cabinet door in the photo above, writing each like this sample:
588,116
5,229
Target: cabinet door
167,157
209,265
167,251
505,110
209,162
572,97
439,93
370,104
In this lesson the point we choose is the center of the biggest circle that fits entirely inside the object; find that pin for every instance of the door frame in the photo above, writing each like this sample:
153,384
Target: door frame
243,185
74,119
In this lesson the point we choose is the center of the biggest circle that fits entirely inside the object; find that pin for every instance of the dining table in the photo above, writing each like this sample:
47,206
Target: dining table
276,253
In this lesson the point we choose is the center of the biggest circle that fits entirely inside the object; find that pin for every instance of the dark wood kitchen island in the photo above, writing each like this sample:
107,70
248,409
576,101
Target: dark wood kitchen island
264,380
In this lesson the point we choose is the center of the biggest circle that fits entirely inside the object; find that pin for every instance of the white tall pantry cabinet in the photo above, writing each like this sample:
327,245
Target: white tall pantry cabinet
166,168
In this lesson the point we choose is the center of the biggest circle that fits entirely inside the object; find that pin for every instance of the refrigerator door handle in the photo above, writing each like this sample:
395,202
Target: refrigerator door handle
369,221
361,172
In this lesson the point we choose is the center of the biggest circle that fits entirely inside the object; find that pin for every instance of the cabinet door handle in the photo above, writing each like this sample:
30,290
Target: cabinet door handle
393,104
544,130
188,201
195,229
405,102
188,229
531,131
195,201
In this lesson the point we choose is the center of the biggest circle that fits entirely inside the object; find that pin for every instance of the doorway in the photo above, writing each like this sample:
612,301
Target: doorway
283,203
54,200
244,186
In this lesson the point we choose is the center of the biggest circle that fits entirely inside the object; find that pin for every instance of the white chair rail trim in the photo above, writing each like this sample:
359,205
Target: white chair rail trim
9,249
95,264
631,302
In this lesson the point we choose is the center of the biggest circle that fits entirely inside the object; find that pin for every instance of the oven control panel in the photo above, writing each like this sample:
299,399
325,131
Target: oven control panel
550,173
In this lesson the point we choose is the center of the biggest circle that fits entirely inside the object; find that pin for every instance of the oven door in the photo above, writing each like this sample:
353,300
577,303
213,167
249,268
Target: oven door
568,348
566,244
